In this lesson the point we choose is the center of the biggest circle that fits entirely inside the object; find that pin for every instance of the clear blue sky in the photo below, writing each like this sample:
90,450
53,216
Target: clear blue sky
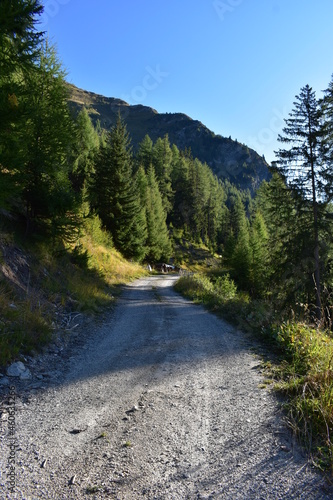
235,65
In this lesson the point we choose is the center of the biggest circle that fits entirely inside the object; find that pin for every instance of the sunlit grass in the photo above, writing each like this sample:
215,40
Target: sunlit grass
306,375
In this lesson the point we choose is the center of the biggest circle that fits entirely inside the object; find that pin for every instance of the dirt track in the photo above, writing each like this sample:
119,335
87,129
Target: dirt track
160,401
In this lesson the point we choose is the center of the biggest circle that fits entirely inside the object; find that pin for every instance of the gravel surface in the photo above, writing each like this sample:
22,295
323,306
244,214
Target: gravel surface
160,400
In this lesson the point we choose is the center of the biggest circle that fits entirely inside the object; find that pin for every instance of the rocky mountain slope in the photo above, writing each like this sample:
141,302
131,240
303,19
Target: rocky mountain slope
226,157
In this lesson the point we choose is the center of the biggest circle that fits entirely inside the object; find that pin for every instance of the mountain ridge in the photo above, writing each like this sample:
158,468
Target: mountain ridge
227,158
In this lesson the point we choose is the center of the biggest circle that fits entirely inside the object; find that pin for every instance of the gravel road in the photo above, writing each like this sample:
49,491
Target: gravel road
160,400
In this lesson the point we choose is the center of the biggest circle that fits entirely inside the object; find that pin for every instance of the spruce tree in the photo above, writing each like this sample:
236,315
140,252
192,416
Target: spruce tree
300,166
238,245
162,162
181,210
115,194
144,155
158,241
259,255
326,105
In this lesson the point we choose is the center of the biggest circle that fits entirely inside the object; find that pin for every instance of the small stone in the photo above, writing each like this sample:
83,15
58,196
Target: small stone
4,381
78,431
72,480
132,410
26,375
16,369
285,449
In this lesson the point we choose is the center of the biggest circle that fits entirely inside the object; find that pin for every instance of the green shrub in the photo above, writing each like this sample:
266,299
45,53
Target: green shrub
225,287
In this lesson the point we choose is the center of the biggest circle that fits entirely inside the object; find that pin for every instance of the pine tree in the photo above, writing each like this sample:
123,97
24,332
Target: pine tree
290,263
326,105
158,241
115,194
144,155
199,200
84,153
301,167
181,210
19,39
259,253
238,247
162,162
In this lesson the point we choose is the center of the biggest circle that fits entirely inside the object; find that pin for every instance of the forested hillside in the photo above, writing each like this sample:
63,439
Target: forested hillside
227,158
58,169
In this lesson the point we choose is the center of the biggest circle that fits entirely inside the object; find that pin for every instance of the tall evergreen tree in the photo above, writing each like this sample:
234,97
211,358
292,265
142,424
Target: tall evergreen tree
301,167
162,162
259,255
85,148
326,105
20,44
46,141
115,194
158,241
181,210
144,155
238,244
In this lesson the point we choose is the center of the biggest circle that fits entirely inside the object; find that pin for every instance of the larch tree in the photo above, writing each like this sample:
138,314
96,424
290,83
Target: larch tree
20,45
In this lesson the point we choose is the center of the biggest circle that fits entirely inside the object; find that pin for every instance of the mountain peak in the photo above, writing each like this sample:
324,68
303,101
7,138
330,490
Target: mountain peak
227,158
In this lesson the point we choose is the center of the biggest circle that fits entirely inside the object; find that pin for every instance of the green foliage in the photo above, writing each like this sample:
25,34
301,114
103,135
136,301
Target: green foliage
162,162
144,157
307,377
34,156
301,166
225,287
114,194
19,48
85,149
220,296
158,242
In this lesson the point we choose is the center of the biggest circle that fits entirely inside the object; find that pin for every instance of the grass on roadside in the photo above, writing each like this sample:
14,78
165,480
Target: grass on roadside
306,376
